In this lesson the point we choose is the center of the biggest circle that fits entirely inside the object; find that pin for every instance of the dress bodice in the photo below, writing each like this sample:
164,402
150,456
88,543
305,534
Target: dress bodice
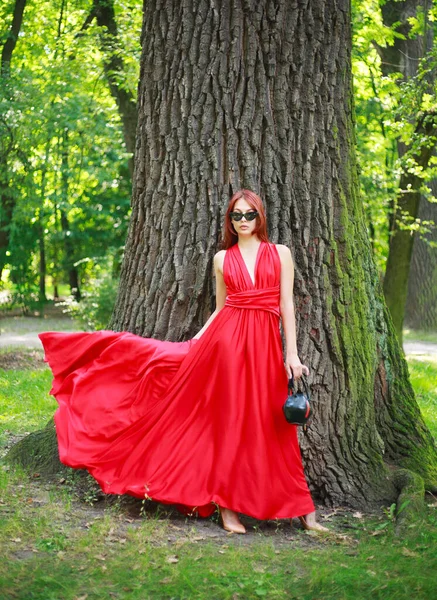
242,292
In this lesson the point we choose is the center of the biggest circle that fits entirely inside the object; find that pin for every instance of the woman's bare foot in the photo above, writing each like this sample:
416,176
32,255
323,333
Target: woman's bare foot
230,521
309,522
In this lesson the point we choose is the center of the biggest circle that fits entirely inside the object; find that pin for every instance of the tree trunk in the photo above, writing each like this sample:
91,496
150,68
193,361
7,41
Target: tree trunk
421,307
73,274
103,11
404,57
258,95
11,38
401,241
42,262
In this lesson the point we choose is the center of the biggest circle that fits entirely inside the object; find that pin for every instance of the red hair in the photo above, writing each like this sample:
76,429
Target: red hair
230,237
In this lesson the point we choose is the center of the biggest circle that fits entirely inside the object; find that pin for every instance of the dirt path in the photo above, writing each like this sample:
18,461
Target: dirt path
29,339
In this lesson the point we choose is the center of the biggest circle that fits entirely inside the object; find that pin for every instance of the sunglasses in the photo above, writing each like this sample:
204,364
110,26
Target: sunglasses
249,216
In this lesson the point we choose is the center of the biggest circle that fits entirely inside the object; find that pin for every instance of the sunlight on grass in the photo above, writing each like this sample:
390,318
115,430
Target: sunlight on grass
25,404
410,335
424,380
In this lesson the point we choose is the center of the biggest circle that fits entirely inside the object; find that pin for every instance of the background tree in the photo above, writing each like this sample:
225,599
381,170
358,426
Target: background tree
405,58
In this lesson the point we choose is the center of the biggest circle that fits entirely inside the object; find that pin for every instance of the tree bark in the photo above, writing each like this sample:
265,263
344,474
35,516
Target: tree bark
258,95
404,57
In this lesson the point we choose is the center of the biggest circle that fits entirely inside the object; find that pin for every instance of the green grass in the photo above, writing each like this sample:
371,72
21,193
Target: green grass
57,548
412,335
24,401
109,556
424,380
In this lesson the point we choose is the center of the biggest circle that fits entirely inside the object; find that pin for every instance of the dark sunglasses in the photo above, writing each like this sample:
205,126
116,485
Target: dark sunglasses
249,216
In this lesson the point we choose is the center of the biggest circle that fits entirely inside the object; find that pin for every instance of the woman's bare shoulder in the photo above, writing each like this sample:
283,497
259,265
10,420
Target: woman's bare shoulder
219,257
283,250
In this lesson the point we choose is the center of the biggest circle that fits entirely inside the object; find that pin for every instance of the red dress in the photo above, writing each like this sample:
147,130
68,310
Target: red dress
188,423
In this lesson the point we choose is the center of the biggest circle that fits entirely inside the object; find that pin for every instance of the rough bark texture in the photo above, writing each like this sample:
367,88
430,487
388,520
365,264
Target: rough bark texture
404,57
421,306
258,94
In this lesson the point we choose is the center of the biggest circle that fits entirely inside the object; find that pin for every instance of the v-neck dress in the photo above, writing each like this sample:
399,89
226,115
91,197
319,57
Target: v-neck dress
196,423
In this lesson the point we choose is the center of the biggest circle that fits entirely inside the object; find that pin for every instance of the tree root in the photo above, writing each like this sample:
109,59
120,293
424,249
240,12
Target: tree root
410,505
37,453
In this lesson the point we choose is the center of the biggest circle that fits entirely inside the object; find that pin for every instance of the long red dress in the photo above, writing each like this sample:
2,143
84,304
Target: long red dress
188,423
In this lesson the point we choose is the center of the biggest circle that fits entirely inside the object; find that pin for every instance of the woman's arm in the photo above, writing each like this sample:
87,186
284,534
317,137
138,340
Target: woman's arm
292,361
220,291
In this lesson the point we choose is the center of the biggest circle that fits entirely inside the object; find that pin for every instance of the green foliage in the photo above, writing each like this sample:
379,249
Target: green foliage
94,310
387,112
61,133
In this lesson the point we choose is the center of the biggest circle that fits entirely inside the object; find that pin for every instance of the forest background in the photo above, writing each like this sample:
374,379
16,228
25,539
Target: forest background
67,129
69,77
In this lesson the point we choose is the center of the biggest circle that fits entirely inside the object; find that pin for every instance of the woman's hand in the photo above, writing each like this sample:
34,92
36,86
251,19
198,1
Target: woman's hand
293,365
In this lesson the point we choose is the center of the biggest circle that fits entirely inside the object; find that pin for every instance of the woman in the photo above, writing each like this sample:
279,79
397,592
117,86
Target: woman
196,423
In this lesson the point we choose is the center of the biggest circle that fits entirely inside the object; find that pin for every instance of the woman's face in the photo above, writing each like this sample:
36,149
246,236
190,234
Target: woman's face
244,228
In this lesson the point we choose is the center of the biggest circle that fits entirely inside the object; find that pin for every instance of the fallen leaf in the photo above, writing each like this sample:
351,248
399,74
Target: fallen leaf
172,559
357,515
408,552
100,557
16,540
198,538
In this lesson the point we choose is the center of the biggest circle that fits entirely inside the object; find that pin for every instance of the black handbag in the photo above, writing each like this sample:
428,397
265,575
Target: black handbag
297,408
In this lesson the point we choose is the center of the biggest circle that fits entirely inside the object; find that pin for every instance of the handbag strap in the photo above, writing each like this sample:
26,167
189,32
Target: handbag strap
305,383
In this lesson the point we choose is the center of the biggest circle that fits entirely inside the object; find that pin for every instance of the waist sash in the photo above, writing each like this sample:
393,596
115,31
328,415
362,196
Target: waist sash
263,299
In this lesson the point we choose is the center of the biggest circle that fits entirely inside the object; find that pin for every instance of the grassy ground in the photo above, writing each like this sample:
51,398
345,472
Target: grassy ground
410,335
62,547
